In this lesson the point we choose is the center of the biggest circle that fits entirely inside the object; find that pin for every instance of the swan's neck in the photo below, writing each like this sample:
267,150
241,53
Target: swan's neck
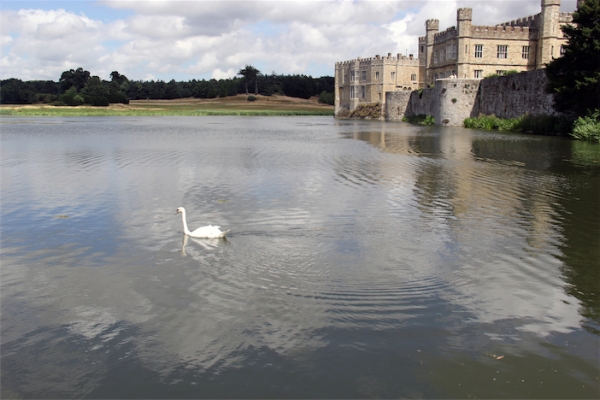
185,228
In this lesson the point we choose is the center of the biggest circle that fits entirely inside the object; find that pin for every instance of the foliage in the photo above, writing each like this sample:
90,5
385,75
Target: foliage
121,89
574,78
77,78
95,92
367,111
326,98
587,128
536,124
420,119
250,74
251,98
15,91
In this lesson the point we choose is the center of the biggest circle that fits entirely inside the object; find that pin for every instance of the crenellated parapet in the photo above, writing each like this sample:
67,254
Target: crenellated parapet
565,17
531,21
410,60
432,25
443,36
500,32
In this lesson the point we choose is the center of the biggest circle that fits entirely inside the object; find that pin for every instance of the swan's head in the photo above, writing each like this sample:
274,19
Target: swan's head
180,210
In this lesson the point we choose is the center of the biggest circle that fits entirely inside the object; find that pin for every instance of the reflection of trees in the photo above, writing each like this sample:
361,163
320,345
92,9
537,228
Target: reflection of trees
571,193
580,209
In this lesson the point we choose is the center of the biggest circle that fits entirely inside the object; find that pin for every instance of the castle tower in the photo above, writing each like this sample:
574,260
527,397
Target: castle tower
432,26
464,16
548,45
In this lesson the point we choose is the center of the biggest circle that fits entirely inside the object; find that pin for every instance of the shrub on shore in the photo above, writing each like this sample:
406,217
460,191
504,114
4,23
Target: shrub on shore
420,119
536,124
587,128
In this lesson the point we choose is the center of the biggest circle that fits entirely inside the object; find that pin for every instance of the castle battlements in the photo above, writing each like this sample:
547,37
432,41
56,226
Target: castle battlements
463,51
530,21
449,33
410,60
500,32
565,17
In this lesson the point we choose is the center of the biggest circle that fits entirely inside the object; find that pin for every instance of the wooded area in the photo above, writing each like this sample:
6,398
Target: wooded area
77,87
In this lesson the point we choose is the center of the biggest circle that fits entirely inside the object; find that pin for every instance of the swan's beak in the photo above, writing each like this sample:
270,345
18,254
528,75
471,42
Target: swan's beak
176,212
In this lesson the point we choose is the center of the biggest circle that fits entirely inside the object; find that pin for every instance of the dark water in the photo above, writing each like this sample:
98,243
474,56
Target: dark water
365,259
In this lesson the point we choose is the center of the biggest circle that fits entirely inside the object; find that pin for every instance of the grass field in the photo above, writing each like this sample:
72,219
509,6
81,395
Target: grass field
234,105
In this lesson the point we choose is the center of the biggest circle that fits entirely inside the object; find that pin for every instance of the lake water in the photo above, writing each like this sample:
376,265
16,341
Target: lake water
365,259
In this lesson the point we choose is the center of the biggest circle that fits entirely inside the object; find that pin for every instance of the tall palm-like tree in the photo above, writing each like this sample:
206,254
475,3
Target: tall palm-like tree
250,73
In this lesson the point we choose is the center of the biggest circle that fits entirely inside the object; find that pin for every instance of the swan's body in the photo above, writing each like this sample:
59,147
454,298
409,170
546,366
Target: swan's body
205,232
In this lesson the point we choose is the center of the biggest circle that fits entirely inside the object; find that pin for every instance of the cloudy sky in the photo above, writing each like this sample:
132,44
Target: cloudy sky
201,39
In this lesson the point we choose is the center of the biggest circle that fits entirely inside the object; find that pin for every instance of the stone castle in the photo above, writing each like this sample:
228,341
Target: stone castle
466,51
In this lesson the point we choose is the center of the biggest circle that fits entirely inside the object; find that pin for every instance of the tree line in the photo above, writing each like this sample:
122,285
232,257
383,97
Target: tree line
76,87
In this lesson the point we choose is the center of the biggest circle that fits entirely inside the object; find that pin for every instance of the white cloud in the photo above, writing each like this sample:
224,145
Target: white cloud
202,39
219,74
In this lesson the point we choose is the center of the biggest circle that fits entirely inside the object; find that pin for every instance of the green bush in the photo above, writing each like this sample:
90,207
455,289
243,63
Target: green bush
587,128
326,98
420,119
251,98
536,124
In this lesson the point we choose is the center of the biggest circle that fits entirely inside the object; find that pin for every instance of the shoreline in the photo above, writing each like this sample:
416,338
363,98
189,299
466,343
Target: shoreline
228,106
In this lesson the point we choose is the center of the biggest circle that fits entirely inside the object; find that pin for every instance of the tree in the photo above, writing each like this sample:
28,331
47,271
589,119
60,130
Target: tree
77,78
574,79
96,92
250,73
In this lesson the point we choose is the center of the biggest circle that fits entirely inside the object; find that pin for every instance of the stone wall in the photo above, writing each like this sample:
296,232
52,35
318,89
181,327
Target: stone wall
514,95
451,101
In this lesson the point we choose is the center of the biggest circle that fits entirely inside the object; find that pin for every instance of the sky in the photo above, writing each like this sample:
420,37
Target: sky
184,40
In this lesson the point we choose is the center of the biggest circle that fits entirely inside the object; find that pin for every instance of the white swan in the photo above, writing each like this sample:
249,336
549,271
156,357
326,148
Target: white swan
205,232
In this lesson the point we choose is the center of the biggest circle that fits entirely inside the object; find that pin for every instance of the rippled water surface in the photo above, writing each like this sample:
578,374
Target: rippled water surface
365,259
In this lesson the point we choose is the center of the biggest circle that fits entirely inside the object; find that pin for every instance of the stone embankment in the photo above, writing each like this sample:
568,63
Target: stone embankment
451,101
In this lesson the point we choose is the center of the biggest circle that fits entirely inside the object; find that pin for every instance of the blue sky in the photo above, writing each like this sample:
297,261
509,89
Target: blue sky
201,39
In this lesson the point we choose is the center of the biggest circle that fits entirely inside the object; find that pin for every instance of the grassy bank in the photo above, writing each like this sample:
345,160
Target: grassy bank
536,124
234,105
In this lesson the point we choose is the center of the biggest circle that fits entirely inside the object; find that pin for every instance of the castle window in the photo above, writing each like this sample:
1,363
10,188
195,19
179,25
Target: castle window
352,76
478,51
525,53
413,77
435,57
352,94
363,75
393,76
442,55
449,52
502,51
342,92
500,72
562,50
362,91
345,78
478,74
377,75
422,49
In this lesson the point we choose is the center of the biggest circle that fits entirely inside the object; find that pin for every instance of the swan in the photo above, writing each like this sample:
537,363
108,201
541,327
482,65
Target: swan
205,232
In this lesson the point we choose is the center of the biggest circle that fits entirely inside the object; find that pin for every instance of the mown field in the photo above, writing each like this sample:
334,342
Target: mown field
233,105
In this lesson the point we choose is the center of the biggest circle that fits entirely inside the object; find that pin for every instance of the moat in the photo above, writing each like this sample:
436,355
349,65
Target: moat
365,259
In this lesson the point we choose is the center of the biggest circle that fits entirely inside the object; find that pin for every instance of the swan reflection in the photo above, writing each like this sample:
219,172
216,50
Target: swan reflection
207,244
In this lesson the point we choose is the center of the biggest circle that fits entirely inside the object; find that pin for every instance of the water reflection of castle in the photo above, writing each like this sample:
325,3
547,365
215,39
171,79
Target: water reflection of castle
464,51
